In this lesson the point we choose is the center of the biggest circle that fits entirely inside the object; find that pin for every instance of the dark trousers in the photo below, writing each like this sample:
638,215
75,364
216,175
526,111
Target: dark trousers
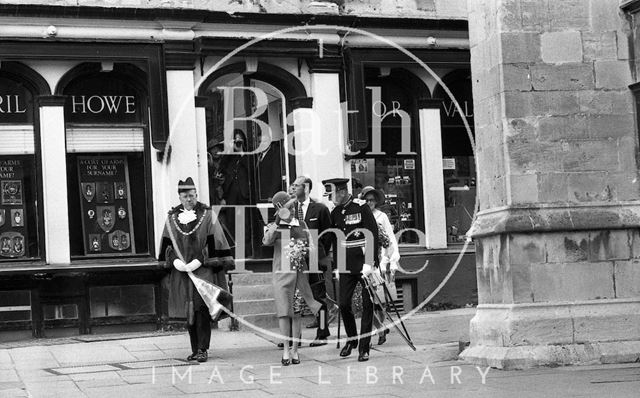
200,330
319,290
348,284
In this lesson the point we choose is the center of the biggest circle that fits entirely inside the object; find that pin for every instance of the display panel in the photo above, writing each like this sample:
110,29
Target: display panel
105,205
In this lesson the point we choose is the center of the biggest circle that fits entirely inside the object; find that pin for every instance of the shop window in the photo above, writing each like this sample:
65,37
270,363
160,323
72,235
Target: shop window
107,172
19,213
60,311
458,161
15,306
391,162
255,165
109,301
107,204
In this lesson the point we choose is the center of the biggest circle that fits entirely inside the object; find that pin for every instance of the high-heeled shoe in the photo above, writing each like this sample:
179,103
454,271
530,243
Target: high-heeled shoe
286,362
295,361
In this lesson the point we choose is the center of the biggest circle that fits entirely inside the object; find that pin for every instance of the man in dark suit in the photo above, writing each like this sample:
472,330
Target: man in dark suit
353,217
317,217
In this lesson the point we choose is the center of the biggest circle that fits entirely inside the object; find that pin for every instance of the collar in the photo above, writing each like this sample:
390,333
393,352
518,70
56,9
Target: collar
198,208
306,202
345,204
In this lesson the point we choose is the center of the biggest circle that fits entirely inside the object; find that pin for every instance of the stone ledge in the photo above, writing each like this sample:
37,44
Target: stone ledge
569,217
525,357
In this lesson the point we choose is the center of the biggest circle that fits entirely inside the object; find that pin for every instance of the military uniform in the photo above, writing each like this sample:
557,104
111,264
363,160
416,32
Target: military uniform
348,217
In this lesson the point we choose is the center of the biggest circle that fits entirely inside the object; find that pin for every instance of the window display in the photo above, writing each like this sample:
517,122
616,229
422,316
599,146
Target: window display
18,226
398,184
105,206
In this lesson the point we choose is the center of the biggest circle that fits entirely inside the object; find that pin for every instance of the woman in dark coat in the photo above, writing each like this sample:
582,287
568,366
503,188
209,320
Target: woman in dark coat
291,285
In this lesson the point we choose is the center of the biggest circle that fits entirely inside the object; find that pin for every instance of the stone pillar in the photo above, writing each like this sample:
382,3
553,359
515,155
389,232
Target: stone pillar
54,179
182,157
433,177
557,238
201,104
322,131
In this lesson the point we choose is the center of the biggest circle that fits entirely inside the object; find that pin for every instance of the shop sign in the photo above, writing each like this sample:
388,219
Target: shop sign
105,205
448,163
102,100
16,103
409,164
13,228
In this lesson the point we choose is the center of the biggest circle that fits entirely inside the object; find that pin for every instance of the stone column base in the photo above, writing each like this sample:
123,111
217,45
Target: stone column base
518,336
525,357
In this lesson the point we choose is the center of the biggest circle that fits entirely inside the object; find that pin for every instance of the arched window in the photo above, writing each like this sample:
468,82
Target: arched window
248,145
106,117
20,212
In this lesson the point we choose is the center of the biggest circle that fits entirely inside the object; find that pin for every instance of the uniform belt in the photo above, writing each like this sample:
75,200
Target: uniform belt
354,243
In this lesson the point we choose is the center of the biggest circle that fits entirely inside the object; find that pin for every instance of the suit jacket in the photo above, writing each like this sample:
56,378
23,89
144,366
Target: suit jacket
318,218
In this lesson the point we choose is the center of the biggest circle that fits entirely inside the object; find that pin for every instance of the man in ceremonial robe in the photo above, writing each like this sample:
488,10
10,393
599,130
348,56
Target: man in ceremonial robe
194,246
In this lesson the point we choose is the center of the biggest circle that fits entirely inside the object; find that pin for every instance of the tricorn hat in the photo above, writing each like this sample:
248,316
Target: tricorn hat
186,185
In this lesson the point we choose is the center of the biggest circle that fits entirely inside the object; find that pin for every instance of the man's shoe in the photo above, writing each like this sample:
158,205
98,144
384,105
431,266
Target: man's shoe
192,357
314,324
318,342
346,350
383,337
363,357
202,356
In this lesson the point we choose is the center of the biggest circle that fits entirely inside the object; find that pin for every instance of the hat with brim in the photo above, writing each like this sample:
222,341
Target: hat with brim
334,184
377,194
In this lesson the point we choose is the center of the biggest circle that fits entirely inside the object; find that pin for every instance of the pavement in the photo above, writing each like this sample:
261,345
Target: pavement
247,364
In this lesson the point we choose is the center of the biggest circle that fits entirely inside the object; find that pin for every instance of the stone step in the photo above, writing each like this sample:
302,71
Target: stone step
252,292
252,278
265,321
249,307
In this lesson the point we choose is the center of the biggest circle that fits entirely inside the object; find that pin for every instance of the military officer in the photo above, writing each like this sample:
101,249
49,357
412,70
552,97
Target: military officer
352,216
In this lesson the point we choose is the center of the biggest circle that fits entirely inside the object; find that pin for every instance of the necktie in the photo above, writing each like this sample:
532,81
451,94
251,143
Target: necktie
300,212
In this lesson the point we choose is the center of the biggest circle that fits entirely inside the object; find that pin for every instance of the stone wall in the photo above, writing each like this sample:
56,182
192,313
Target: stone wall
557,235
560,69
429,9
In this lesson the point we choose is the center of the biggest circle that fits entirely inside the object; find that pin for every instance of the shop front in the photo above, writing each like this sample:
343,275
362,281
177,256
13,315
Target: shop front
96,135
77,252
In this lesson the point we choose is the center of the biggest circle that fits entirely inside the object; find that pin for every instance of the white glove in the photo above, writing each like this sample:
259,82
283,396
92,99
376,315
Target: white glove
366,269
193,265
179,265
